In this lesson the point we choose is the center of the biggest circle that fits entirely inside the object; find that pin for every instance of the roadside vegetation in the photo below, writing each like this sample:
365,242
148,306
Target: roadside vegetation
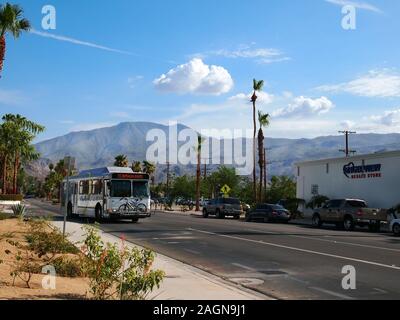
88,270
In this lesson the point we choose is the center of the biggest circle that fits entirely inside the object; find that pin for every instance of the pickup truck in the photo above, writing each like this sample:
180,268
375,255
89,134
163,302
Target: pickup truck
222,207
347,213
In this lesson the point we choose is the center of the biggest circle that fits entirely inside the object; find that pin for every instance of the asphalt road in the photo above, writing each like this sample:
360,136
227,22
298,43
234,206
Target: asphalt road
283,261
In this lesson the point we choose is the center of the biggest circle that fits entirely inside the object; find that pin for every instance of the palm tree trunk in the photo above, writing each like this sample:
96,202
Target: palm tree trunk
4,169
2,52
16,166
254,151
265,175
198,174
260,161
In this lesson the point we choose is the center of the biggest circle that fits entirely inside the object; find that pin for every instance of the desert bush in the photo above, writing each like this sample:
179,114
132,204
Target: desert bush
67,267
118,273
44,242
4,216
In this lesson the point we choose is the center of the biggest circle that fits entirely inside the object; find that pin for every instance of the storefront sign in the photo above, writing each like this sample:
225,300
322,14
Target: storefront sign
352,171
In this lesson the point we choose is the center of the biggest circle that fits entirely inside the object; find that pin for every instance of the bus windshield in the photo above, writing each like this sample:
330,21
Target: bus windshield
121,189
140,189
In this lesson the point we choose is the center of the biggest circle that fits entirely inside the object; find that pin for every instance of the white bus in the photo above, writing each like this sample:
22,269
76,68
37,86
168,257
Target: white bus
107,193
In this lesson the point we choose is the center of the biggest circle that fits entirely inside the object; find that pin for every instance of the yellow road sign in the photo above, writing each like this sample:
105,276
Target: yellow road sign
225,190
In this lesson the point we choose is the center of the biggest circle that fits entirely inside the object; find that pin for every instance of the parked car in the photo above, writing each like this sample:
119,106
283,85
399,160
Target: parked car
347,213
203,202
269,213
223,207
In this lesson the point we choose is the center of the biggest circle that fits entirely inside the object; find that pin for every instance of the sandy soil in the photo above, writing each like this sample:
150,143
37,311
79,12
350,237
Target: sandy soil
66,288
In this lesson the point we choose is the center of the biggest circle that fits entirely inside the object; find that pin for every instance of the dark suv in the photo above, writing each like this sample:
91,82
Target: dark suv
223,207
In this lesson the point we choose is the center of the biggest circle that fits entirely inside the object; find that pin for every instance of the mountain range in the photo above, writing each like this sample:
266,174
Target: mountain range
97,148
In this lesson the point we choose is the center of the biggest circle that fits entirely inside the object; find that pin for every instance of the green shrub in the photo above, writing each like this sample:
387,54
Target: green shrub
67,267
4,216
118,273
19,210
43,242
11,197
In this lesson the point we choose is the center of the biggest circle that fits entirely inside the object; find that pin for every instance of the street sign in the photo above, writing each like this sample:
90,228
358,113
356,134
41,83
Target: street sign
226,190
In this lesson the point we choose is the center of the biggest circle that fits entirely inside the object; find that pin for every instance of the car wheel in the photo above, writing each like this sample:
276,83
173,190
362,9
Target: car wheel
316,221
348,224
135,220
396,229
99,214
248,218
205,213
236,217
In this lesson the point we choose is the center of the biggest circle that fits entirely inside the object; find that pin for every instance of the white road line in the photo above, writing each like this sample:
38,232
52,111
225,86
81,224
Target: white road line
332,293
300,250
243,266
331,240
192,251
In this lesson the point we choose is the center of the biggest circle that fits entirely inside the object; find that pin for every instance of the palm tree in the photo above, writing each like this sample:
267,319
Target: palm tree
24,131
121,161
149,168
200,141
136,166
263,120
257,87
11,21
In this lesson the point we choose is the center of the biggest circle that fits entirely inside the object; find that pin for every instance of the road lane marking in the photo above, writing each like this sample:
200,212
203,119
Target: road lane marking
325,240
243,266
332,293
300,250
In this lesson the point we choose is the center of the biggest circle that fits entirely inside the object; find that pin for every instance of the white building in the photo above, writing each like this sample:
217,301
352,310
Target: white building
374,178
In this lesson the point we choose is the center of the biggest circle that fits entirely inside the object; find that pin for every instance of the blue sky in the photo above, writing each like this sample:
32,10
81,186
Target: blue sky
194,61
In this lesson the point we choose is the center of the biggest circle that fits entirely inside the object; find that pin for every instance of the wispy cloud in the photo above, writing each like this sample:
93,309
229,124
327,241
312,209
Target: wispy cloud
76,41
261,55
11,97
382,83
357,4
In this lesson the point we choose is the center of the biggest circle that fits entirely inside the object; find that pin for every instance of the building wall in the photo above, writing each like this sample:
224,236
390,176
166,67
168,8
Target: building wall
380,189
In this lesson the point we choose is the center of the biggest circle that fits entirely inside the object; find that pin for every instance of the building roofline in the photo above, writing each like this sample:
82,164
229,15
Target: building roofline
357,157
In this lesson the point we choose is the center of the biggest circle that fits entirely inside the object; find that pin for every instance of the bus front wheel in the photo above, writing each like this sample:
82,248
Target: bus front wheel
99,214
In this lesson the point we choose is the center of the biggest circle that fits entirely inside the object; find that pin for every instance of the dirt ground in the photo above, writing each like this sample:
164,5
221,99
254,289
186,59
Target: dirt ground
66,288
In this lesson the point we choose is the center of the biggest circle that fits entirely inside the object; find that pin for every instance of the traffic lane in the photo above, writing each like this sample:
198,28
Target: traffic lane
284,273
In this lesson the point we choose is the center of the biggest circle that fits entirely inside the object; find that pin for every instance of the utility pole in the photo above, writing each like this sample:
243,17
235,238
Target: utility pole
347,151
168,177
265,174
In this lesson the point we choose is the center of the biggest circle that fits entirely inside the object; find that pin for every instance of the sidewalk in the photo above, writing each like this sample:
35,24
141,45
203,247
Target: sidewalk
182,281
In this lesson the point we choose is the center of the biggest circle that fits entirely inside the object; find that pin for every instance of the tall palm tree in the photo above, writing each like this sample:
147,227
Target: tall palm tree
11,21
257,87
24,132
200,141
263,120
121,161
136,166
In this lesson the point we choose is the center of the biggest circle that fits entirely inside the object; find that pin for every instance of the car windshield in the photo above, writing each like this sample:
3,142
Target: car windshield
121,189
356,204
140,189
231,201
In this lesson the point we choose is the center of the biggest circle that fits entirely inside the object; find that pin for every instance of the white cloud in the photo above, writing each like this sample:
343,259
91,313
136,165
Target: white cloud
347,124
76,41
304,107
377,83
133,80
388,118
197,78
261,55
356,4
11,97
92,126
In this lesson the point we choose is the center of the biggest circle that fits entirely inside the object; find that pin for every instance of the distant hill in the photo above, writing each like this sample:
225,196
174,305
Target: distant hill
98,148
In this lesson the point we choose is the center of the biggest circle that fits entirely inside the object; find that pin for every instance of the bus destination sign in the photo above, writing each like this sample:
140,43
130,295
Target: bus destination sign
131,176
